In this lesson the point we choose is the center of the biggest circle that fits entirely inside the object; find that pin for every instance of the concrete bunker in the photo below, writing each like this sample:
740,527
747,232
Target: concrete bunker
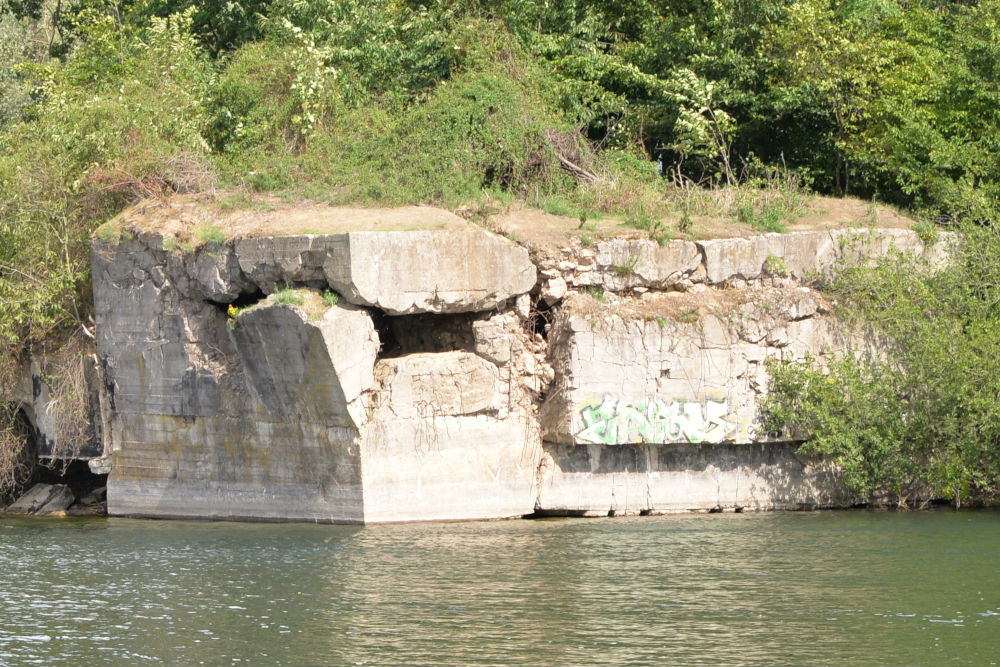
371,376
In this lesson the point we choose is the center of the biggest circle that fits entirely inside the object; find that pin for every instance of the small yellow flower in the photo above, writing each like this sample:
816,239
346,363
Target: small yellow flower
232,311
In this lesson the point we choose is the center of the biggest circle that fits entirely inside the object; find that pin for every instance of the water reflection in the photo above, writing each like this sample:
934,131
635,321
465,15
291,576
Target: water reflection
823,588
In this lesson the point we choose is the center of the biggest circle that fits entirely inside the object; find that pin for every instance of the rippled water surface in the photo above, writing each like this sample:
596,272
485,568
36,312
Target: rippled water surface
803,588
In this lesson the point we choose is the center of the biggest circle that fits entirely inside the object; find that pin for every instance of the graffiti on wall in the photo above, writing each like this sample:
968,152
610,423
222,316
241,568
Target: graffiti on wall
616,421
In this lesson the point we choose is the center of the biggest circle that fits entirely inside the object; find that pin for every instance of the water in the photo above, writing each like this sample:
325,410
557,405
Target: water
826,588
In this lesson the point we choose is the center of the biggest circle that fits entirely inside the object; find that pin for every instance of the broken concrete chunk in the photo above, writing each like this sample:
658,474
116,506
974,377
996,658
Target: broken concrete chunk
554,290
438,385
216,274
310,366
640,262
801,254
522,306
273,262
729,259
43,499
498,338
429,271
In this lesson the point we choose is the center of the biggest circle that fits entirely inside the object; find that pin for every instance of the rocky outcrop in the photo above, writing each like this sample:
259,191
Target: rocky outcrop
43,499
365,377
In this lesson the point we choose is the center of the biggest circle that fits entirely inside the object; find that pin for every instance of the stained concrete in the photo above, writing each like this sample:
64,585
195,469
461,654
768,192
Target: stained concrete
365,376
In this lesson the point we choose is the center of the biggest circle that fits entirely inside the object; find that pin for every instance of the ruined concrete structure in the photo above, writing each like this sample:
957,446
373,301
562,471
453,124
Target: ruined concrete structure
443,374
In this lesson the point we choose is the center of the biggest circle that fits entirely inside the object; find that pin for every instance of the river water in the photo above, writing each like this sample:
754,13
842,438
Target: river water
822,588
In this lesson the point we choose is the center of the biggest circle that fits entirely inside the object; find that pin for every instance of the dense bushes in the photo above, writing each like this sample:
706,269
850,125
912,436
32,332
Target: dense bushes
101,137
921,417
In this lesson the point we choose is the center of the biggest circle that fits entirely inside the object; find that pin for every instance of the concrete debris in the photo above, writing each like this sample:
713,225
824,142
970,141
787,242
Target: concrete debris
43,499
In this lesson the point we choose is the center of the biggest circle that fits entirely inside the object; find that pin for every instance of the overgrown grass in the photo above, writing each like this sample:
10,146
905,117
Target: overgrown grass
596,293
288,297
210,233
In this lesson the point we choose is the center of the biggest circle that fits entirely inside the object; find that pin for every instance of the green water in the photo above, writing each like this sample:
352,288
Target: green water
824,588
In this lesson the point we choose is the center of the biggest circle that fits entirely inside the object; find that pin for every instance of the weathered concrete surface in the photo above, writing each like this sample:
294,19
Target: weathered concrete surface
653,413
266,411
316,366
267,431
618,265
43,499
199,432
598,480
399,273
633,378
235,468
427,271
446,444
808,253
424,388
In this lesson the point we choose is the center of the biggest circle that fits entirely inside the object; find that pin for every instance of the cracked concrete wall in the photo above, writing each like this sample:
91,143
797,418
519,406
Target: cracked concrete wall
641,265
655,414
656,403
453,438
194,434
621,367
296,408
283,412
596,480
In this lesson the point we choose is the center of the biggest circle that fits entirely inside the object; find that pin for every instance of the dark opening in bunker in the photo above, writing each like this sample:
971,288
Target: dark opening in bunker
424,332
540,317
244,300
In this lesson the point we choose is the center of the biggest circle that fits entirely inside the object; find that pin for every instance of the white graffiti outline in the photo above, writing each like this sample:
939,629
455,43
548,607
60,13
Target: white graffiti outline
617,421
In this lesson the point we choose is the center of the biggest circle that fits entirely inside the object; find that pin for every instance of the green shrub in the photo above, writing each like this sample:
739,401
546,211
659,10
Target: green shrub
19,45
102,137
209,233
596,292
921,411
288,297
775,266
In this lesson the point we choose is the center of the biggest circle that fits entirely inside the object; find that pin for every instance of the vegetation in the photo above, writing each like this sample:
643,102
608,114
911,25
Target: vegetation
596,293
17,460
208,233
645,110
287,296
914,413
775,266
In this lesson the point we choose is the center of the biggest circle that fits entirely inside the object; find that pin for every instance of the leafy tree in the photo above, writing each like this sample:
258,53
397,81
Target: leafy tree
832,58
120,121
220,25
